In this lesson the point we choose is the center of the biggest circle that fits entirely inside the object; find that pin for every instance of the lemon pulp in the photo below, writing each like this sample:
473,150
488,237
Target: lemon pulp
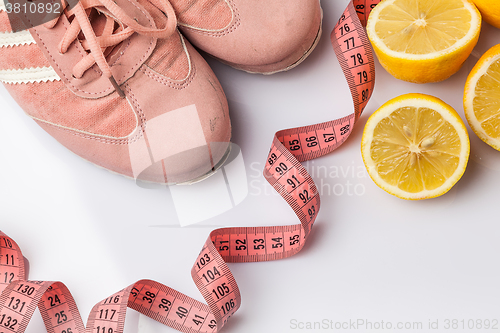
423,40
423,26
415,149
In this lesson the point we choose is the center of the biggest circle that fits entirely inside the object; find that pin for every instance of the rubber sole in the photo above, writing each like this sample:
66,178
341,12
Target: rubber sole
189,182
211,172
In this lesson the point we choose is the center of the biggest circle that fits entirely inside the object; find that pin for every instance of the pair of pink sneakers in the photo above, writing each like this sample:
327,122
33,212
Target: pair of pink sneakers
118,84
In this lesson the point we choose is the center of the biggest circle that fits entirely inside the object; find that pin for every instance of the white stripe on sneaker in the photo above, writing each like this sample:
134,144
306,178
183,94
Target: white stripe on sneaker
15,38
28,75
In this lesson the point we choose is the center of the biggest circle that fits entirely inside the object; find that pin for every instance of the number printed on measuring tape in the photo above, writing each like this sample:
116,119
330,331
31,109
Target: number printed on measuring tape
20,297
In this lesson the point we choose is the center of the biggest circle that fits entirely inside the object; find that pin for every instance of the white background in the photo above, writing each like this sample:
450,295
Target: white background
371,256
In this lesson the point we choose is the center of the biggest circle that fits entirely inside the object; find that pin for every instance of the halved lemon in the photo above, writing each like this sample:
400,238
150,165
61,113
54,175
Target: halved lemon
423,41
490,10
482,97
415,147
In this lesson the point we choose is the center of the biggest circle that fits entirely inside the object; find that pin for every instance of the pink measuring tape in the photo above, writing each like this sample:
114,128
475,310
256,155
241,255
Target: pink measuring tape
212,276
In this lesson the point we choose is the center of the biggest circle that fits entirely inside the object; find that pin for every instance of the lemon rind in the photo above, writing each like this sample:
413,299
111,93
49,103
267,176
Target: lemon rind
477,72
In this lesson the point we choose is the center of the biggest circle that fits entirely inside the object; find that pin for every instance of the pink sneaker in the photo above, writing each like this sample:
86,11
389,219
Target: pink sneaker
137,99
252,35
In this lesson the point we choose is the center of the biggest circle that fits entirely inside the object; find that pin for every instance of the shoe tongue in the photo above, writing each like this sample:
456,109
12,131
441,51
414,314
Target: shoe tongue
99,16
98,21
169,57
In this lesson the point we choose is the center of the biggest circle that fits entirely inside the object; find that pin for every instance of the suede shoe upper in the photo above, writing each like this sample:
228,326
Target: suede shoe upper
121,113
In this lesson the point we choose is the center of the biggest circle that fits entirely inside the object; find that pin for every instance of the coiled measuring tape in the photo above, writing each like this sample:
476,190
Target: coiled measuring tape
283,170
